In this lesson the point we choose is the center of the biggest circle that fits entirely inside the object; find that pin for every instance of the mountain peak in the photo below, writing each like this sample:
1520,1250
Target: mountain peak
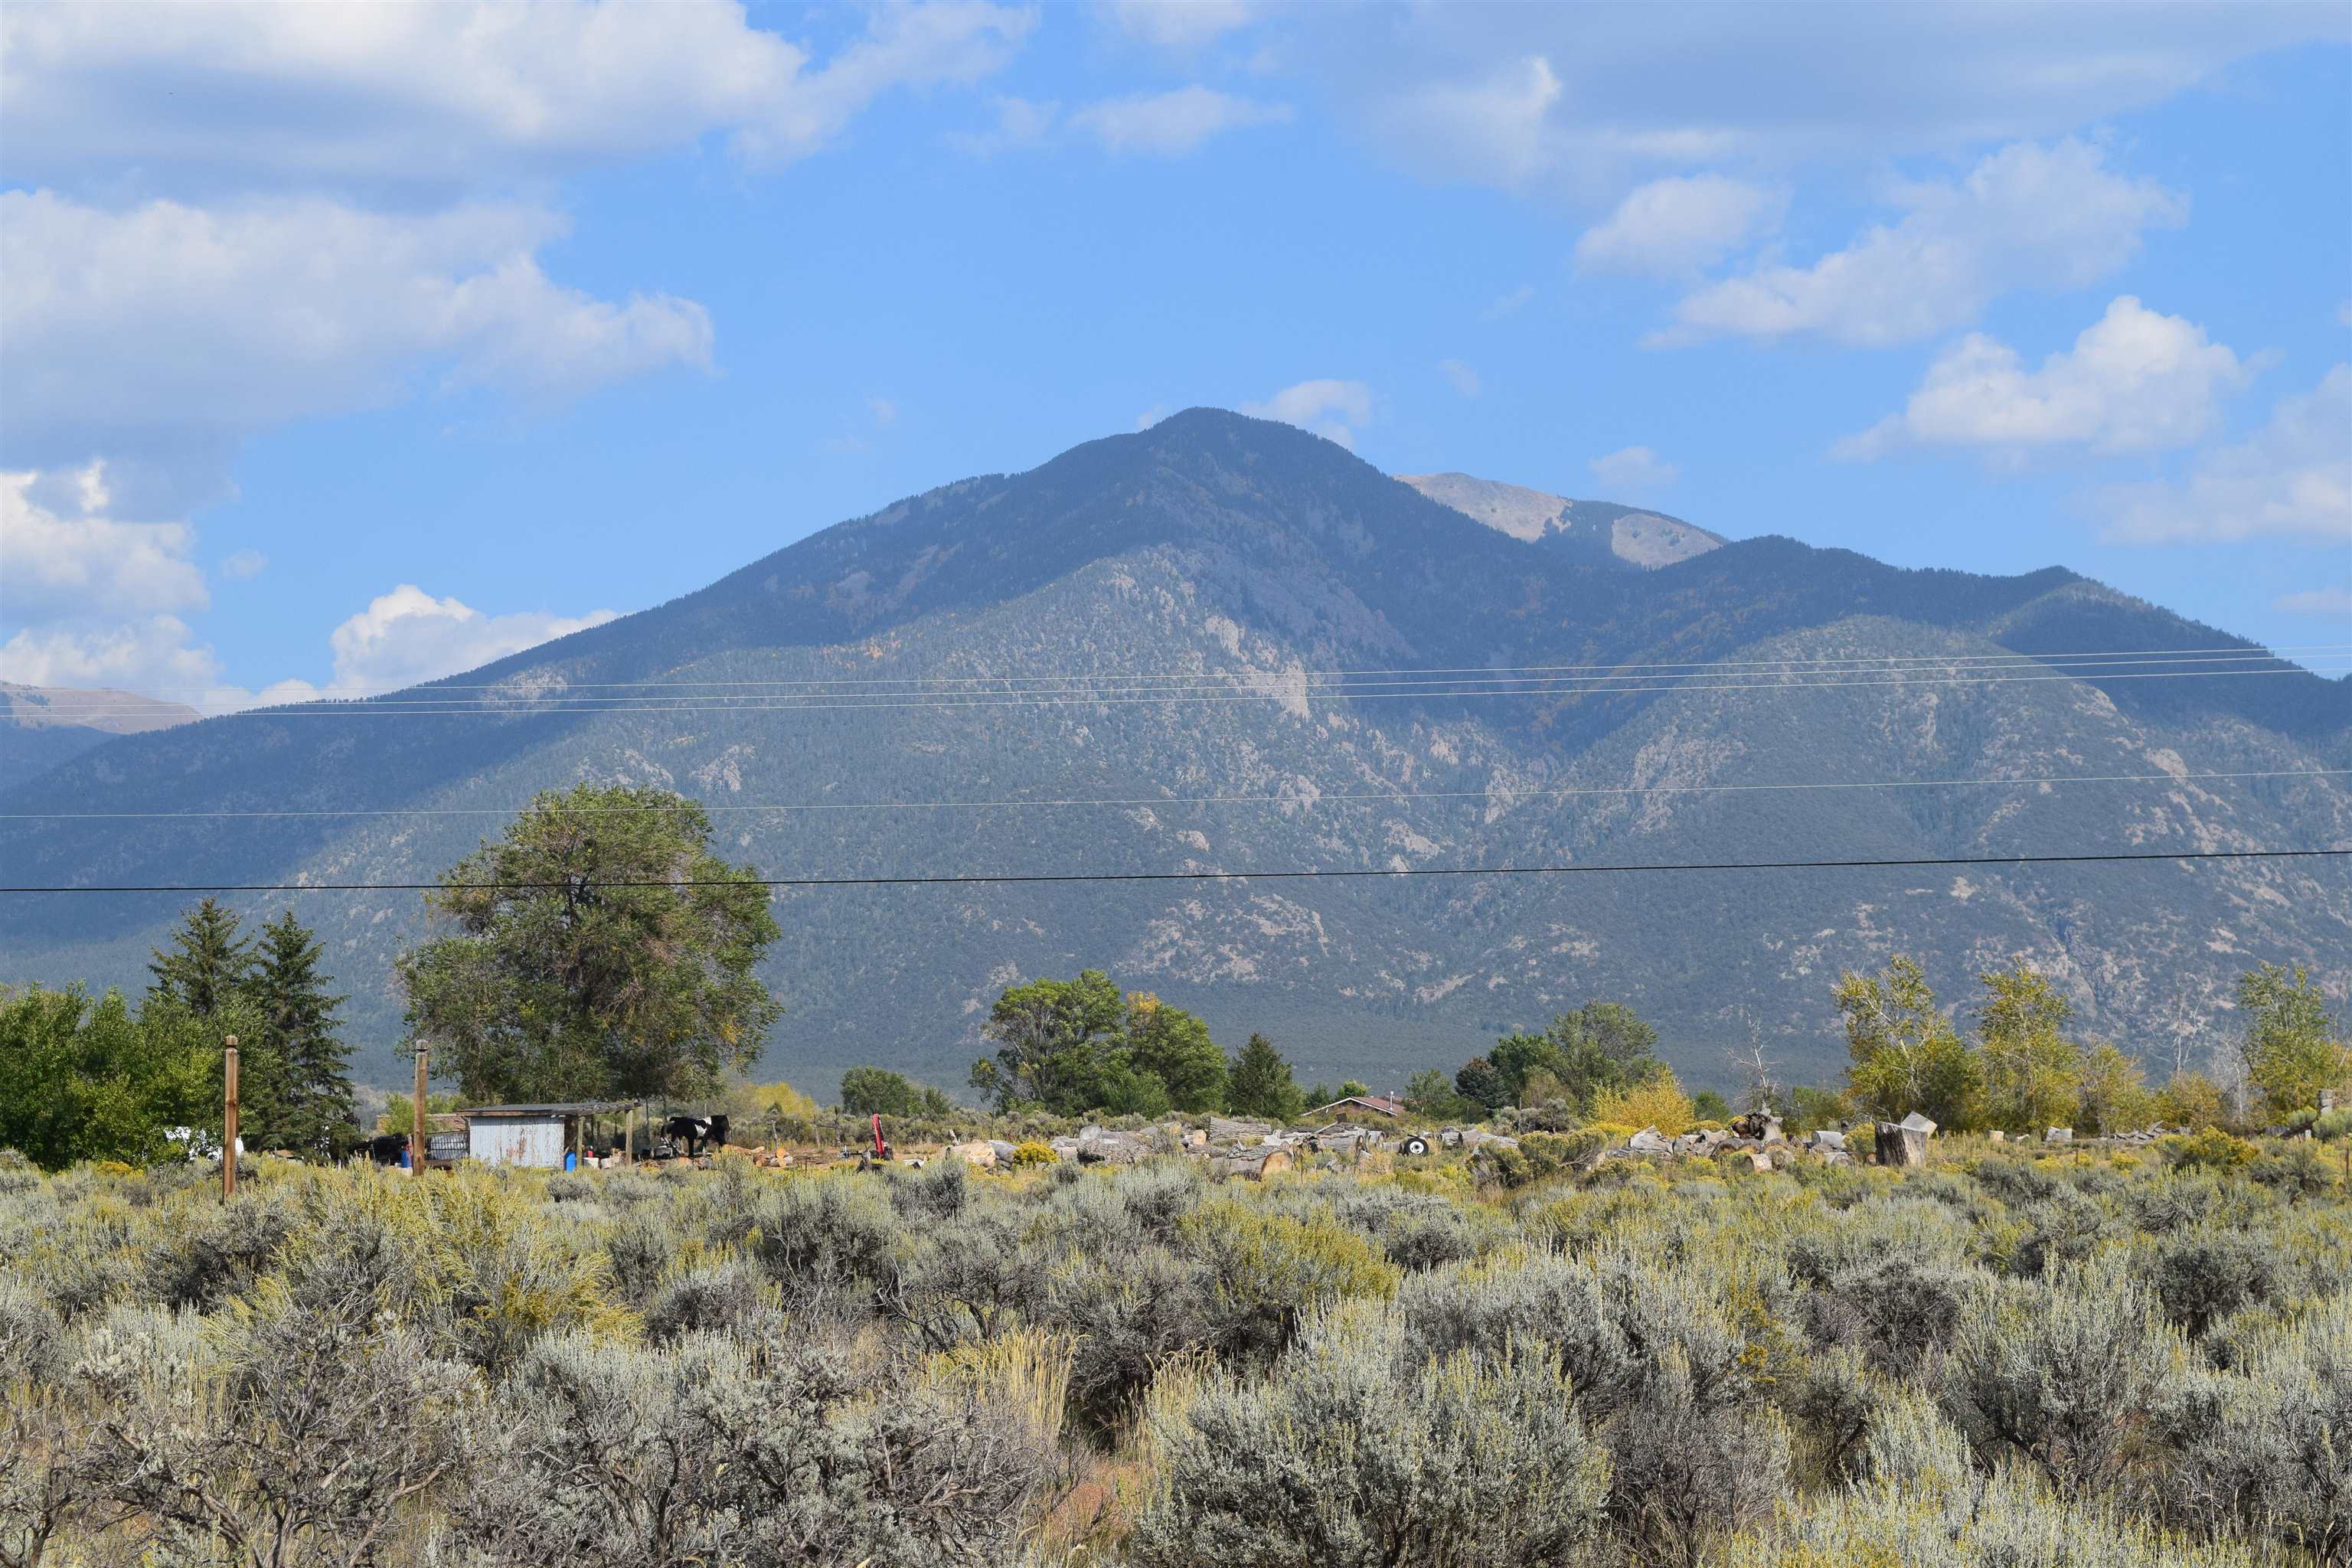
1631,534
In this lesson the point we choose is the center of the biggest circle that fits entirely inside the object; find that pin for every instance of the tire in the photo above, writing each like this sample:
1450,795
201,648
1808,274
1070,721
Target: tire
1414,1146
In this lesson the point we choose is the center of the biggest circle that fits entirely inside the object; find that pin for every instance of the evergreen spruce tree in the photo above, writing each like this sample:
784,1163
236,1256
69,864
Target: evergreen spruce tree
312,1083
1259,1083
207,964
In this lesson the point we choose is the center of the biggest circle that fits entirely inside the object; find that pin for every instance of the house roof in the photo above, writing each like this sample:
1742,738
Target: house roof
1380,1104
557,1108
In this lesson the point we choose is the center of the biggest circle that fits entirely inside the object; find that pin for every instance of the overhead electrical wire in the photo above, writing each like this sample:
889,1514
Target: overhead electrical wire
2006,656
1504,797
1269,688
999,878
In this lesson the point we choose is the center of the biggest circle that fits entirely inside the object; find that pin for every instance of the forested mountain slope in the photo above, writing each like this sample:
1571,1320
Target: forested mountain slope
1013,638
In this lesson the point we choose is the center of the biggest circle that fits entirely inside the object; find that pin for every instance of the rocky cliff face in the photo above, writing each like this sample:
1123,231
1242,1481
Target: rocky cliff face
1127,661
1597,530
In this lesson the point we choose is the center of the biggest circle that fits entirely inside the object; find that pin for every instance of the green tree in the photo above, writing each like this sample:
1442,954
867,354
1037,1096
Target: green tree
2111,1094
208,963
1708,1105
600,950
1906,1055
1600,1047
1482,1082
2289,1047
88,1081
2031,1068
1431,1093
877,1091
1258,1083
297,1026
1172,1045
1051,1036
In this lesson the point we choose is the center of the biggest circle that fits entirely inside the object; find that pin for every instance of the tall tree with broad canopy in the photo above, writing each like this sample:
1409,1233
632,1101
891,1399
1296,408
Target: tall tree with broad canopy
601,951
2031,1067
2289,1049
1599,1047
1075,1045
1906,1055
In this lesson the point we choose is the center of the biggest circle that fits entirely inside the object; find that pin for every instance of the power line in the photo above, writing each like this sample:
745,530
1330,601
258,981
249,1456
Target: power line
998,879
1271,688
2233,651
1505,795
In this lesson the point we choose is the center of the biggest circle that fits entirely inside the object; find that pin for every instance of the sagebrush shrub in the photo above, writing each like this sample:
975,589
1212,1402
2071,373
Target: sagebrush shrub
1354,1452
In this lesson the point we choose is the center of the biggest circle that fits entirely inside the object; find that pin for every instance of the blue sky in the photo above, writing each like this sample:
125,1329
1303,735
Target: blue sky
340,348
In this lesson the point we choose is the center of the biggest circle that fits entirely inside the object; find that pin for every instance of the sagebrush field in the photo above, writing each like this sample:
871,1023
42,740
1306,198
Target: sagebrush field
2085,1358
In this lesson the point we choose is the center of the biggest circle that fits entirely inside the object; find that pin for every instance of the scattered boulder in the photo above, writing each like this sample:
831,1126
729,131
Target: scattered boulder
1917,1123
1232,1130
1252,1164
979,1156
2059,1135
1650,1141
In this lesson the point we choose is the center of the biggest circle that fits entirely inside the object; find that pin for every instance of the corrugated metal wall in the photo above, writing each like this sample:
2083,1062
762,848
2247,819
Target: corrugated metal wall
517,1141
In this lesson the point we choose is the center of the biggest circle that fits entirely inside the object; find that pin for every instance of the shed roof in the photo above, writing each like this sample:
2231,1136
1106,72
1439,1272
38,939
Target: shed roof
1379,1103
557,1108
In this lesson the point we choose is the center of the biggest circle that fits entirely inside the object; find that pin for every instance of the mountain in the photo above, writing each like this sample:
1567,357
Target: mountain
1596,530
1123,661
42,726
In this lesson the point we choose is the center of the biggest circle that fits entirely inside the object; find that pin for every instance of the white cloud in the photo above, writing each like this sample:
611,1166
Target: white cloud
1676,225
885,412
1634,470
243,564
2026,217
408,636
407,94
1493,129
154,656
64,556
2290,479
172,327
1150,417
1169,124
2315,601
1508,304
1460,378
1021,122
2134,380
1332,409
1589,101
1181,24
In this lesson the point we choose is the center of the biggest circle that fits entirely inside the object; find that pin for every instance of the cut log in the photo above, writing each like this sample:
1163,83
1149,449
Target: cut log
1253,1165
1901,1145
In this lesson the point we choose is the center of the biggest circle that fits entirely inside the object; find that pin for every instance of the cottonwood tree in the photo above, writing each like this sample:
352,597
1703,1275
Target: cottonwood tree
2289,1047
600,950
2031,1067
1906,1055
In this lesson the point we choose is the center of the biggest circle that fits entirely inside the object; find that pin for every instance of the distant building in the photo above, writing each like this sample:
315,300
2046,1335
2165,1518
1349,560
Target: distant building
536,1135
1359,1107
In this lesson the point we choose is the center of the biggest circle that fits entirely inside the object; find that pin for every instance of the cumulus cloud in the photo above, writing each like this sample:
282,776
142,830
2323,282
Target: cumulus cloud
1634,470
412,93
1676,225
1332,409
155,656
2028,217
1460,378
1181,24
1493,128
2337,602
408,636
2134,380
172,327
2291,480
67,557
1170,124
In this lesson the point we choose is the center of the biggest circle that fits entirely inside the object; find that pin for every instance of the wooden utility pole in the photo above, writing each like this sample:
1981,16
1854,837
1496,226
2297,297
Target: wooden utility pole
416,1119
228,1119
629,1136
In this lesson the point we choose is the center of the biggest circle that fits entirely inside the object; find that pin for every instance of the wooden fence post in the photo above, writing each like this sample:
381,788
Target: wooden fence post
228,1119
416,1118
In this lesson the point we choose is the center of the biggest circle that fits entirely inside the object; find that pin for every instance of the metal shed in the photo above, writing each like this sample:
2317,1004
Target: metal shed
536,1135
